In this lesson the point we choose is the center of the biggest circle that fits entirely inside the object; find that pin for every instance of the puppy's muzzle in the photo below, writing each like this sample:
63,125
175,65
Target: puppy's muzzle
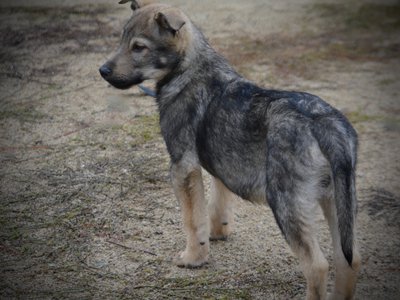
119,81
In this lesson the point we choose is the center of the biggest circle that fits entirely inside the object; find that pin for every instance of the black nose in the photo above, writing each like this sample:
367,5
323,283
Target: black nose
105,71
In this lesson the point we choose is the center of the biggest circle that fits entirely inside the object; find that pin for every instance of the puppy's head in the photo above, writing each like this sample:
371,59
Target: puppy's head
153,44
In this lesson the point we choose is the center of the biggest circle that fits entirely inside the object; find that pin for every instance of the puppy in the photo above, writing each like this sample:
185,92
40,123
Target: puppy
289,150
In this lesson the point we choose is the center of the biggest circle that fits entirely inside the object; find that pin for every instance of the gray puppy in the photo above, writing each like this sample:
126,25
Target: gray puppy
290,150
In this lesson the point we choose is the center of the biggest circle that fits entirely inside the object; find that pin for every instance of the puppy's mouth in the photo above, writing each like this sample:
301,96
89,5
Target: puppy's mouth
124,84
120,82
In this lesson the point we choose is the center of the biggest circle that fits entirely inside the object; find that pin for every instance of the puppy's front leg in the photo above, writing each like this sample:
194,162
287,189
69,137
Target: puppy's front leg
220,210
188,187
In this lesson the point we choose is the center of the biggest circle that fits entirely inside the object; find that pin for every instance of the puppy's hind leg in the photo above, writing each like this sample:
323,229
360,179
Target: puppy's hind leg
220,210
313,263
294,215
345,275
188,186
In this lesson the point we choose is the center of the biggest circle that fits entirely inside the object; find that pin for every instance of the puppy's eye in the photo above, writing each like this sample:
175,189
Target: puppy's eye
137,47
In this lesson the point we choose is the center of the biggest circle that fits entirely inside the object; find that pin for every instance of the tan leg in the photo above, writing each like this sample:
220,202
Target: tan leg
345,276
314,265
188,187
220,210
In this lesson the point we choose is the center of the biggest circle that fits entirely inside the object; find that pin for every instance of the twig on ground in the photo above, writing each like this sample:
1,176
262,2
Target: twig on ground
131,248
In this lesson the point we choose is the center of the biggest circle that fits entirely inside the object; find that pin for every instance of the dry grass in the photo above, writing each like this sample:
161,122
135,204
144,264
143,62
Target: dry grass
348,34
86,207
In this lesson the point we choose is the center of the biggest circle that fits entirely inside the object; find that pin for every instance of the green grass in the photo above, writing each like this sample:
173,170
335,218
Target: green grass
143,128
356,117
361,121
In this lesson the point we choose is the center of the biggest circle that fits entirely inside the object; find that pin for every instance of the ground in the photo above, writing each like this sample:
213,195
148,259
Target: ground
87,210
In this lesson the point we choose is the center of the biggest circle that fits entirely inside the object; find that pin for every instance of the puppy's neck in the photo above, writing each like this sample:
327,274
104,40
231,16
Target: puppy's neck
199,64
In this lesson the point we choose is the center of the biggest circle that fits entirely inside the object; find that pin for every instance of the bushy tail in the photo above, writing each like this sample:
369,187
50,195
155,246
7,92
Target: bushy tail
338,142
346,205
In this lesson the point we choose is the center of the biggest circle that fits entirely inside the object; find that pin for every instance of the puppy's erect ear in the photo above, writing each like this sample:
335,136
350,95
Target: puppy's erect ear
170,20
134,4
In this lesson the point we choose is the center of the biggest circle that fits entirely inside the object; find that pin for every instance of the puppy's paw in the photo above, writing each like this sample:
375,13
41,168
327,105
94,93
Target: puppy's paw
220,232
191,260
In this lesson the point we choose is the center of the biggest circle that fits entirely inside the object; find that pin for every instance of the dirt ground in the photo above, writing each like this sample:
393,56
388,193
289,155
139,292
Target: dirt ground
87,210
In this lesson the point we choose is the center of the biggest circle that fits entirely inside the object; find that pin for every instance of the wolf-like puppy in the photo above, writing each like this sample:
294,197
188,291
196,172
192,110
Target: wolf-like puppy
289,150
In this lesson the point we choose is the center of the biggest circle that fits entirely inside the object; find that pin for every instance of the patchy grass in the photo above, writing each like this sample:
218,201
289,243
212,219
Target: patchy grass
56,13
56,26
367,16
304,54
207,286
382,204
22,114
348,33
218,285
94,215
360,121
143,128
387,81
356,117
375,16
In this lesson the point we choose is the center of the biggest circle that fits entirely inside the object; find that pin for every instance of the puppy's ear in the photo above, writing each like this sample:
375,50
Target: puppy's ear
170,20
134,4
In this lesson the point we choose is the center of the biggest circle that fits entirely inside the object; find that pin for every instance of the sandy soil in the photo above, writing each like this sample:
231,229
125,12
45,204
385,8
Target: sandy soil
87,210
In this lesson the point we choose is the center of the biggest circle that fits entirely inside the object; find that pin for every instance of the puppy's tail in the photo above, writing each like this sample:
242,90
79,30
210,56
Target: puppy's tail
338,142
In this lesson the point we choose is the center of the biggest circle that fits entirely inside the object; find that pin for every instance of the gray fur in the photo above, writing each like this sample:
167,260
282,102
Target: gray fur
291,150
